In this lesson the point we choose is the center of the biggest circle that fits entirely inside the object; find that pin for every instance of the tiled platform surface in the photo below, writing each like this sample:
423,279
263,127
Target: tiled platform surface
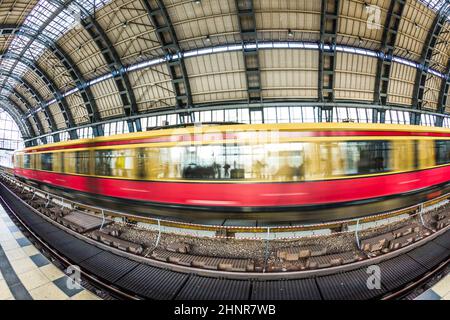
26,274
440,291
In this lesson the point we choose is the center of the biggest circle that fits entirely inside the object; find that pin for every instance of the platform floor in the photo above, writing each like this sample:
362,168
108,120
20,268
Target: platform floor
440,291
26,274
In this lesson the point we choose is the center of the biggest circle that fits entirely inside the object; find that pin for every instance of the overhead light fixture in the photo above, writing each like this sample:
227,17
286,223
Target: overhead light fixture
197,1
208,39
290,33
416,25
360,40
125,24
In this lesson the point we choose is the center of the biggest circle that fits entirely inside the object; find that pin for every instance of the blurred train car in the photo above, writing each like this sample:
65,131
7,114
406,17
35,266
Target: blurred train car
277,172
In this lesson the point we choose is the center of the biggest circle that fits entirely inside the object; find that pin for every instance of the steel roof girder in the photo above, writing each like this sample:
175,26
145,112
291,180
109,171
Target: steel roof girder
14,111
429,46
247,28
328,17
391,26
114,64
165,32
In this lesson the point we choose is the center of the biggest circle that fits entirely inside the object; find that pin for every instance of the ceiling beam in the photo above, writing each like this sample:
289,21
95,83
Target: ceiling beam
329,26
40,100
115,65
76,75
60,100
25,127
384,63
62,103
425,59
66,61
249,36
35,117
165,32
443,95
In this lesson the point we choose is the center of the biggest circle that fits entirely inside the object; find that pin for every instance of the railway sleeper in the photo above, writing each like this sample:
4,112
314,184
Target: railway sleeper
120,244
210,263
296,253
332,260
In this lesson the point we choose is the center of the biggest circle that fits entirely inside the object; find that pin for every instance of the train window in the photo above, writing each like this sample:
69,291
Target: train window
365,157
46,162
58,162
149,164
281,162
82,162
26,161
103,163
442,151
331,159
271,162
117,163
34,161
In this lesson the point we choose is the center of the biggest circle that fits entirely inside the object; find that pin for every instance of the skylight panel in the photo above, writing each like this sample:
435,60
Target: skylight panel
433,4
52,20
438,5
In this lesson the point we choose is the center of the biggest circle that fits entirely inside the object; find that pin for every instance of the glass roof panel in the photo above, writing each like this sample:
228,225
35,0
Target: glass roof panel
438,5
51,20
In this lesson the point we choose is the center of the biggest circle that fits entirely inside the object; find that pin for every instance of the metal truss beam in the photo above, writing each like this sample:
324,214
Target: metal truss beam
79,80
35,117
36,96
443,95
65,60
62,103
329,20
167,37
60,100
16,114
247,28
391,26
425,59
115,65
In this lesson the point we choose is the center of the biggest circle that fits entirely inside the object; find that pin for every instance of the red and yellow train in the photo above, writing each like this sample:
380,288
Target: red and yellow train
279,172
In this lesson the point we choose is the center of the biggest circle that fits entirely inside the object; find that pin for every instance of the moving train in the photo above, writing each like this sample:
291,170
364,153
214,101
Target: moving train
276,172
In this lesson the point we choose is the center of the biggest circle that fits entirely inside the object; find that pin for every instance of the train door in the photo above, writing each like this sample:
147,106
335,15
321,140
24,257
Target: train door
148,163
403,155
426,153
324,160
313,161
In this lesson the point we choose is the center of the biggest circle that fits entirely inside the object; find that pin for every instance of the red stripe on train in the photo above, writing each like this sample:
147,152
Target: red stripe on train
248,194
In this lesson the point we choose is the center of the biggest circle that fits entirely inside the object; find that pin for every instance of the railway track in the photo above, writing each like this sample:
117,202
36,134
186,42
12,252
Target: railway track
244,228
133,279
